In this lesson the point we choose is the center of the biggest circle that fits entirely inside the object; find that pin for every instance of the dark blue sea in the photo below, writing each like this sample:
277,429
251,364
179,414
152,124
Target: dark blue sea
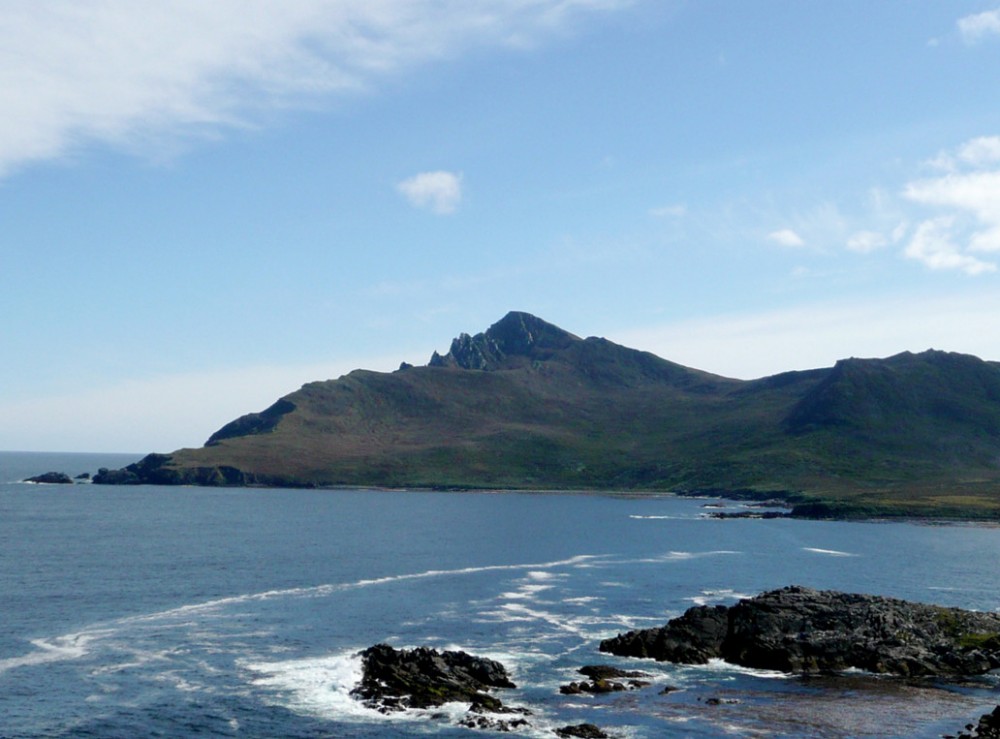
181,612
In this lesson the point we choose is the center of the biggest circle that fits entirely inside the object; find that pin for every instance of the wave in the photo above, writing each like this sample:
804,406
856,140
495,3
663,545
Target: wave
831,552
718,665
321,687
58,649
317,686
76,645
714,596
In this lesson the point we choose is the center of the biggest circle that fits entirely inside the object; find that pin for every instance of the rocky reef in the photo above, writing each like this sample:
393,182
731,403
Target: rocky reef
397,679
52,478
605,679
801,630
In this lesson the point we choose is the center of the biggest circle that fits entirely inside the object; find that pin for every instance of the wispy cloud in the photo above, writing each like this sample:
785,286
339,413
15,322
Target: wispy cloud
979,26
127,73
967,201
440,191
865,242
786,237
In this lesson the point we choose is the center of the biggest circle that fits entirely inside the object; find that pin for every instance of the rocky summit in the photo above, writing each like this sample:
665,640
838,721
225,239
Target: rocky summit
801,630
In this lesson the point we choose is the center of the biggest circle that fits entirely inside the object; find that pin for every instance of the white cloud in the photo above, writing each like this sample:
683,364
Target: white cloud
978,26
981,151
932,245
128,73
440,192
967,197
786,237
817,335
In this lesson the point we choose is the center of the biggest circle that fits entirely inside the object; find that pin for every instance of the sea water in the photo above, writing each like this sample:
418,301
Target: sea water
179,611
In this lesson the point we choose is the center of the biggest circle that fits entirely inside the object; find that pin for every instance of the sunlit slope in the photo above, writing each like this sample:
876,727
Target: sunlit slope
528,405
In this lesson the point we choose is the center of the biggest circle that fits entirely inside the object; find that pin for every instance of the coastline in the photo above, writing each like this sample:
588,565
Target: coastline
796,504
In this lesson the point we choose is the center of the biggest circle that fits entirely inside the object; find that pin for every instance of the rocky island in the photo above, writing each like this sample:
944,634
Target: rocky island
527,405
801,630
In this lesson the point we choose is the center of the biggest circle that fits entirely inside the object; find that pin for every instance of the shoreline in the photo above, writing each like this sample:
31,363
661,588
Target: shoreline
796,505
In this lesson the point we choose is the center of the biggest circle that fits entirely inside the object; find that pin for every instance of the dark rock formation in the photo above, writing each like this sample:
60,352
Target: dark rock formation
82,476
801,630
154,469
516,334
692,639
604,679
395,679
583,731
987,728
52,478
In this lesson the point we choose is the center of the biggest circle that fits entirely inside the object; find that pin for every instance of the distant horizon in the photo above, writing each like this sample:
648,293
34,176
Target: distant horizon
205,208
291,388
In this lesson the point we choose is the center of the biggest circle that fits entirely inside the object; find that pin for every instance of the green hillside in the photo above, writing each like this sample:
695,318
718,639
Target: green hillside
526,405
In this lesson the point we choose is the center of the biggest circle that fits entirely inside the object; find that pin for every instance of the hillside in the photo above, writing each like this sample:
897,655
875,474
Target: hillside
527,405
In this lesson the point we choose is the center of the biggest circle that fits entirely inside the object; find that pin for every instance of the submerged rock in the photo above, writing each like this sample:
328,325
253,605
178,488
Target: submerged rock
801,630
604,679
396,679
582,731
52,478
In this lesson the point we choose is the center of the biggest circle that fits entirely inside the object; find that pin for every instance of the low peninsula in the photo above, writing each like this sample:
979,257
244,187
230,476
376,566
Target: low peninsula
526,405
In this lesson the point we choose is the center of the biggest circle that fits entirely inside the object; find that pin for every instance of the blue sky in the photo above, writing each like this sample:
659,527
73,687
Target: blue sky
206,205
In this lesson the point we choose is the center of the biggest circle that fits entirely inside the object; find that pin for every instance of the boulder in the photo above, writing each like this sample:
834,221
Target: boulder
396,679
801,630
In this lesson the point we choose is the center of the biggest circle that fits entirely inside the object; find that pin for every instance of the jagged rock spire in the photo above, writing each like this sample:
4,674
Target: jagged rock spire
516,334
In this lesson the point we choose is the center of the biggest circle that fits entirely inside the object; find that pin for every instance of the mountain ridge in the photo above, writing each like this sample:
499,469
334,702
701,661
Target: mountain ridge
528,405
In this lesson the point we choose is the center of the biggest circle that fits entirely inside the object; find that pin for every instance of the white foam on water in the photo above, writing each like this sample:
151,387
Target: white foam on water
679,556
543,575
582,601
58,649
714,596
661,518
718,665
316,686
831,552
525,592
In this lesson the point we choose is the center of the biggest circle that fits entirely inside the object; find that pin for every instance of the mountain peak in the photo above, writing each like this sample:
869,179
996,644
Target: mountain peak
517,334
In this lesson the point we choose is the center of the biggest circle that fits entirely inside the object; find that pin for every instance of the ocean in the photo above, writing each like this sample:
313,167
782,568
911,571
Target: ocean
180,612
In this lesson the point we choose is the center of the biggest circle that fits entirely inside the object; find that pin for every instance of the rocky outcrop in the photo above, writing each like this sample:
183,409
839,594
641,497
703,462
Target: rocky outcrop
155,469
396,679
988,727
801,630
582,731
52,478
516,334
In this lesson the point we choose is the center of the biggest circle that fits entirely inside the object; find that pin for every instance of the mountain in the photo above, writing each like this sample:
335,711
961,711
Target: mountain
528,405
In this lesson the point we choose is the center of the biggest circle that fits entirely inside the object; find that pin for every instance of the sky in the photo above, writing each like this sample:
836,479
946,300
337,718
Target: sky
206,205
